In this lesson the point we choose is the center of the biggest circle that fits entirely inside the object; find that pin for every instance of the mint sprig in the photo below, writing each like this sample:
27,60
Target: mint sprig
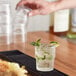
54,43
37,43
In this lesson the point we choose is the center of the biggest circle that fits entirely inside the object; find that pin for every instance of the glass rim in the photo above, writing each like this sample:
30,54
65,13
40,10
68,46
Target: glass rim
46,45
27,9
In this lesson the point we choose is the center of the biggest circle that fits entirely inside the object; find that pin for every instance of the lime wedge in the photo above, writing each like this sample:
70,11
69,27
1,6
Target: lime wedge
54,43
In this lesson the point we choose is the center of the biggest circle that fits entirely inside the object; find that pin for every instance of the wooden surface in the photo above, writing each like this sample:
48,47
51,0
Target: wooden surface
65,55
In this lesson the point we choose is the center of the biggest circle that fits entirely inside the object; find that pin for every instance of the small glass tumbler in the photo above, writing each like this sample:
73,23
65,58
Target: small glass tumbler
45,56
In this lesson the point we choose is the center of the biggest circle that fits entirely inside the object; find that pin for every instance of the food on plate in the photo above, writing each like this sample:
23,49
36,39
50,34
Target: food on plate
11,69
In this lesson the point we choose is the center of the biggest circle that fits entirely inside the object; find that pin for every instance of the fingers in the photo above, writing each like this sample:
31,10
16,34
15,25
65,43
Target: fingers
34,12
38,12
38,6
34,5
24,2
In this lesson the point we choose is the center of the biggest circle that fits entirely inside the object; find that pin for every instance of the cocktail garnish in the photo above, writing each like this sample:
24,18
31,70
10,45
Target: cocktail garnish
37,43
54,43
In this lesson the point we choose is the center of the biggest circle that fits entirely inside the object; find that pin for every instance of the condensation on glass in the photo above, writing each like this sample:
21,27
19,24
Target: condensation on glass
45,56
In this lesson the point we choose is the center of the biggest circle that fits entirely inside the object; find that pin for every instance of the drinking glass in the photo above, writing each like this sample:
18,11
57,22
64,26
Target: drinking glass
5,23
20,24
45,56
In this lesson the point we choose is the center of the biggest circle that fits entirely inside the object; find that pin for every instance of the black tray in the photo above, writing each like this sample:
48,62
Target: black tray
29,62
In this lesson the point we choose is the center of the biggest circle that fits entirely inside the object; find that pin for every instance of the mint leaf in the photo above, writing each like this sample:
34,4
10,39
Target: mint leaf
38,40
37,43
33,43
54,43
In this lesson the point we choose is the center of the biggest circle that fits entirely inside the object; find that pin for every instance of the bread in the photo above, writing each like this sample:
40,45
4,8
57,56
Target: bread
11,69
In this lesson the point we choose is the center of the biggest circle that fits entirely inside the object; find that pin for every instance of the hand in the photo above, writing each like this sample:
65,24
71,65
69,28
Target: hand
38,6
43,7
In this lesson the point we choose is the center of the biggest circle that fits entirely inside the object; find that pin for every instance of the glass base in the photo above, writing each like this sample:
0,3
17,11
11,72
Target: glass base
44,69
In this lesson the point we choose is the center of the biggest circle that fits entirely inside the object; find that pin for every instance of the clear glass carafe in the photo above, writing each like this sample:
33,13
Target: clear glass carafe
20,25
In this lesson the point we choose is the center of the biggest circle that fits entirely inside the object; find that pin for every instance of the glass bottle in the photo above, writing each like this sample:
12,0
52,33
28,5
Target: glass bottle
60,22
72,29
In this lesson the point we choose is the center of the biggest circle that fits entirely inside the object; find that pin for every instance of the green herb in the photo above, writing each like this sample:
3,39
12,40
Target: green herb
37,43
40,58
44,57
38,40
54,43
